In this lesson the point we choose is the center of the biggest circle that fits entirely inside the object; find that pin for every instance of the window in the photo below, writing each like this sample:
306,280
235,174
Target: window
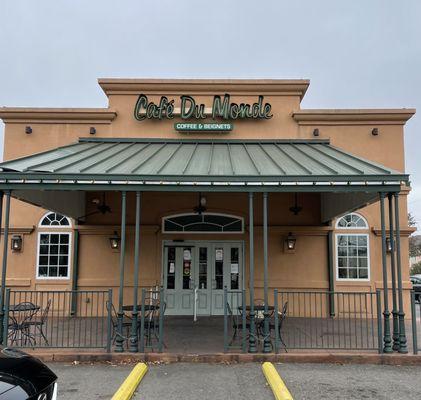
351,221
53,259
352,249
202,223
55,220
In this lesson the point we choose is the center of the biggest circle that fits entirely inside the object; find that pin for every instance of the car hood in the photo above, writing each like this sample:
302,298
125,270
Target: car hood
19,369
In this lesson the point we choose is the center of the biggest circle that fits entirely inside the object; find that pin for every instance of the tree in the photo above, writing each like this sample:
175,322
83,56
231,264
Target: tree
411,220
415,269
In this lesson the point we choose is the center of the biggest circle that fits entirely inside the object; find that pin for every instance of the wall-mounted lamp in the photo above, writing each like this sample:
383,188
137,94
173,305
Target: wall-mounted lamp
316,132
92,130
201,206
290,242
375,131
28,130
16,243
388,245
115,241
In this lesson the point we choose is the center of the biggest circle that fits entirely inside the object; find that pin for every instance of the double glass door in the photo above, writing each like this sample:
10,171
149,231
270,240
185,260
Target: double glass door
195,274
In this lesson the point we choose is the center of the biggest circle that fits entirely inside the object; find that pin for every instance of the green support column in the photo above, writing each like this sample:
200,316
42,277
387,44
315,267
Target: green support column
252,336
331,273
403,348
266,341
387,340
133,339
395,316
75,270
4,265
120,315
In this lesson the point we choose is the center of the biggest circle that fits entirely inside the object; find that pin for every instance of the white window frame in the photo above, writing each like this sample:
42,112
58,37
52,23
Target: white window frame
46,232
352,227
346,233
54,226
202,232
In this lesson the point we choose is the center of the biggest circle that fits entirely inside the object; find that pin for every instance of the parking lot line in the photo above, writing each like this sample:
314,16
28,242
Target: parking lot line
279,389
127,388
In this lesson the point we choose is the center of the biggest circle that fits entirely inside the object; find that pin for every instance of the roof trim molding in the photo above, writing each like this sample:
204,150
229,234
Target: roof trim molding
57,115
392,116
280,87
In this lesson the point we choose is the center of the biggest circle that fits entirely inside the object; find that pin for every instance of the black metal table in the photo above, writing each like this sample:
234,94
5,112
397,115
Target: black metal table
20,315
148,307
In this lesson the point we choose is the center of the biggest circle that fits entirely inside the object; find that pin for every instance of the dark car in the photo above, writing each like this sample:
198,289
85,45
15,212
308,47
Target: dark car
416,286
25,377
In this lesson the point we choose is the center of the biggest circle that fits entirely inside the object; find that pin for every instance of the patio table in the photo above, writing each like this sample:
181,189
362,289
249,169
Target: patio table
20,315
148,307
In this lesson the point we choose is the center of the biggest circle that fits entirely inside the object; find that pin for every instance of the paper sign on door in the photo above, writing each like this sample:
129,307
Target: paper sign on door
219,255
187,255
234,268
172,268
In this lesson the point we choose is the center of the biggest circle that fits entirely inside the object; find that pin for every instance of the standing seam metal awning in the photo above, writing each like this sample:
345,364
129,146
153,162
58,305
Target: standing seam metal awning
169,162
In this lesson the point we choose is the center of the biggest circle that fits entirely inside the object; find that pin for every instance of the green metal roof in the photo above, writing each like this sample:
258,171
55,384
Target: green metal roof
199,161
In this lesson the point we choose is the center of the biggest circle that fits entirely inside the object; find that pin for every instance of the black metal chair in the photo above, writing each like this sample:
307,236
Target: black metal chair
237,323
39,325
281,319
126,324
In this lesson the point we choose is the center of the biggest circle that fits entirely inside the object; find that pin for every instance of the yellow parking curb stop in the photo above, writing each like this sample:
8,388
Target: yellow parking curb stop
126,390
277,385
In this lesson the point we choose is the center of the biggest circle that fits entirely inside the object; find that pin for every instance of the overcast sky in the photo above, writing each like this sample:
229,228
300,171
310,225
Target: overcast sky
357,54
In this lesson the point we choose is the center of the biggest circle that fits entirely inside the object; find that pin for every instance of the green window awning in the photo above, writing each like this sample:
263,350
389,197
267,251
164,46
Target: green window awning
193,161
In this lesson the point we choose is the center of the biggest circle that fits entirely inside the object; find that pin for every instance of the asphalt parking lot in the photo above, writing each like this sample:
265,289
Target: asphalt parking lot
241,381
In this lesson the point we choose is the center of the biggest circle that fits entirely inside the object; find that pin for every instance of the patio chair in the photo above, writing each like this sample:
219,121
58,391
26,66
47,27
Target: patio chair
152,321
126,325
236,323
39,325
281,319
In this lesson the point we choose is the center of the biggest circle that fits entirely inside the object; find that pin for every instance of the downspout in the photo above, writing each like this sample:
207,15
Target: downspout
75,271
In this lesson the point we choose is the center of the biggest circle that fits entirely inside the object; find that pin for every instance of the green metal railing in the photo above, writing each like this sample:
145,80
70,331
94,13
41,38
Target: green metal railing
303,320
57,319
236,328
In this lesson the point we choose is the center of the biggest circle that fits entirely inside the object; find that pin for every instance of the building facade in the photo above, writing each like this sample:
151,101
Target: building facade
205,160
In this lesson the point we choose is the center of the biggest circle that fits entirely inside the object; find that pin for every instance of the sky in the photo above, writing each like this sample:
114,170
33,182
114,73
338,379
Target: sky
357,54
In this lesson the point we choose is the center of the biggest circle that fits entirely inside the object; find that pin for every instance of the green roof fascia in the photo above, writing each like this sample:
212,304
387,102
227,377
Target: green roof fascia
202,188
204,178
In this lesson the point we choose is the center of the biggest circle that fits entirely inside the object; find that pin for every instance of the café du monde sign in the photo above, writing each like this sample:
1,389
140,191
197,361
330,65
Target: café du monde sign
222,109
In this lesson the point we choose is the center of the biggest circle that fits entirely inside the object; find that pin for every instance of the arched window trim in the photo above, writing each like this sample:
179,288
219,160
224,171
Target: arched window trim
40,225
241,219
352,227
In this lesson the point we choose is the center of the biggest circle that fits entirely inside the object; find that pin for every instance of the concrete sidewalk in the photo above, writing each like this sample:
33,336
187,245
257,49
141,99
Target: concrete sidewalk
242,381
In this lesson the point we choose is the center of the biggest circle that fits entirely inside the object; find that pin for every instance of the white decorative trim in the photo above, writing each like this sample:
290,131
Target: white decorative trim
54,226
202,232
351,227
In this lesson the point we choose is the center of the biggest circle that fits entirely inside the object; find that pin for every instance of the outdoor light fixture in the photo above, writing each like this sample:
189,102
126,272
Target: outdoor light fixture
388,245
201,207
92,130
115,241
16,242
316,132
375,131
290,242
28,130
295,209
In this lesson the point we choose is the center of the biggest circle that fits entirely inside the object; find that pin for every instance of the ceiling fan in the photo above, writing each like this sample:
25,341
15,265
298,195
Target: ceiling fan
101,208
